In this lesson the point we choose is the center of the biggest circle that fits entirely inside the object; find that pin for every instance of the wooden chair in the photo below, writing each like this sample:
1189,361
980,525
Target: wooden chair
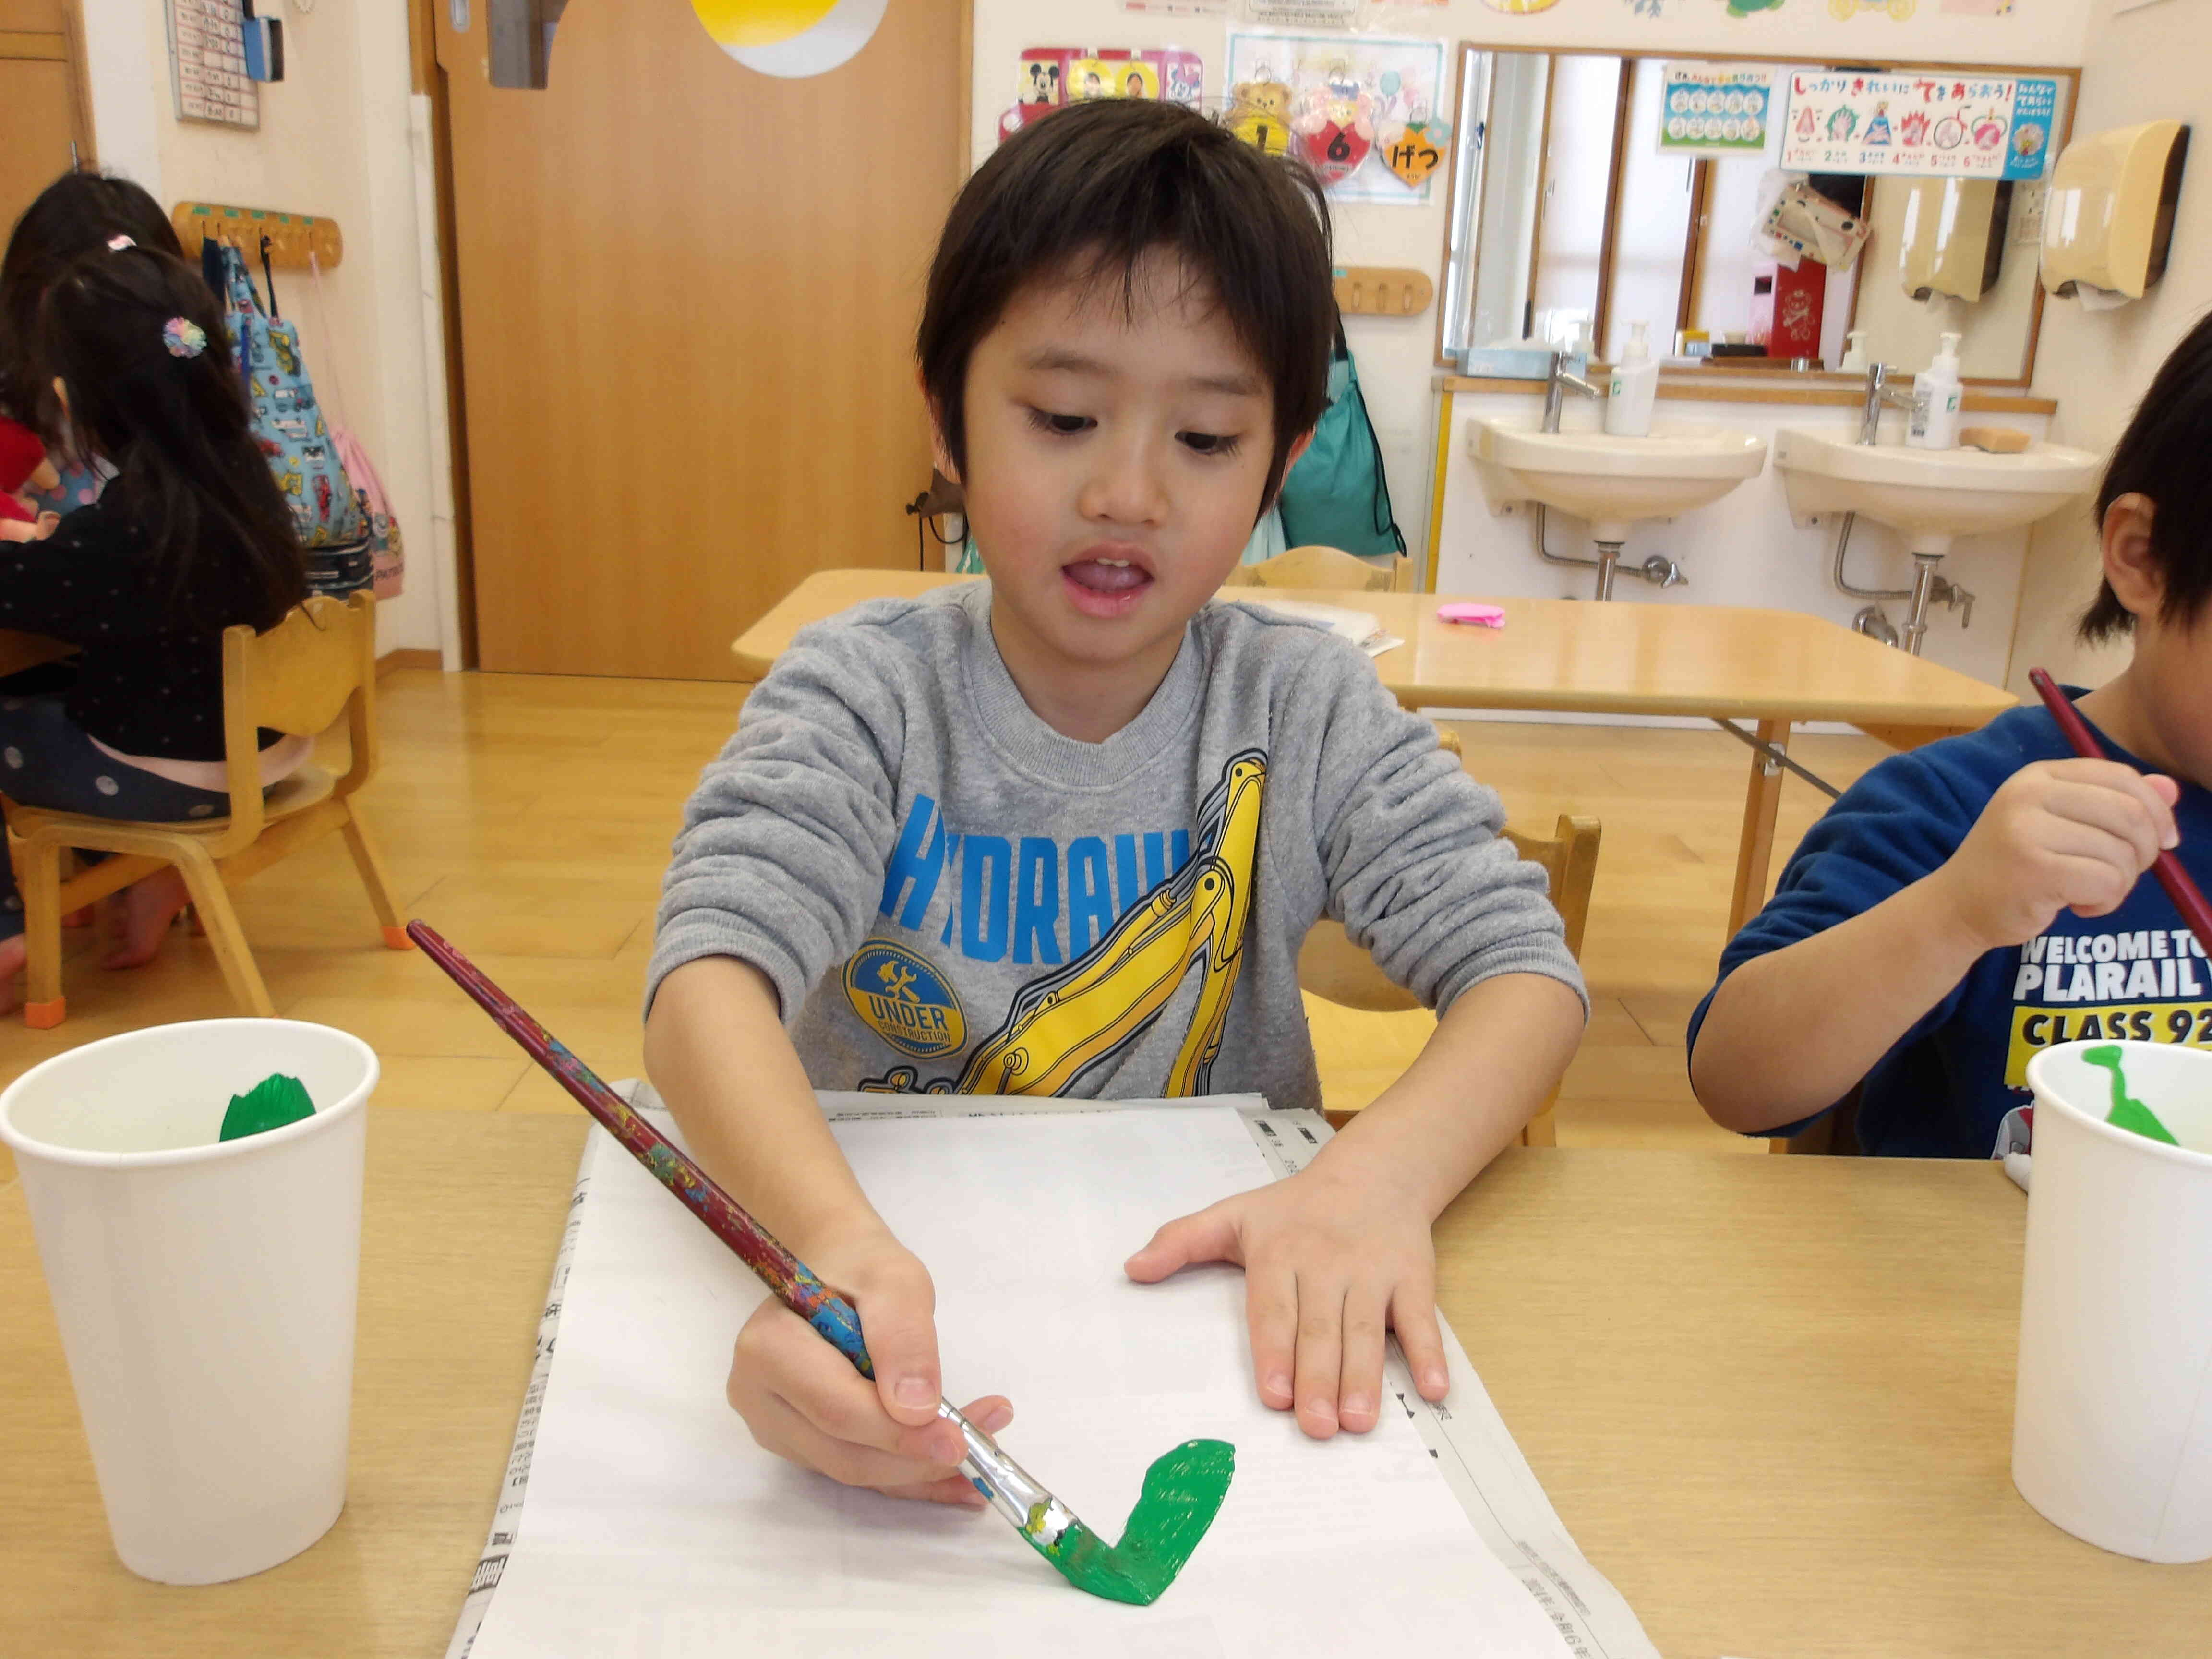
316,665
1337,970
1325,566
1330,965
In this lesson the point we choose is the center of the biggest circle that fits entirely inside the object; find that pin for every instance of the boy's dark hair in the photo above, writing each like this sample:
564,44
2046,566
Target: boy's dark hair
191,479
1088,193
76,214
2164,454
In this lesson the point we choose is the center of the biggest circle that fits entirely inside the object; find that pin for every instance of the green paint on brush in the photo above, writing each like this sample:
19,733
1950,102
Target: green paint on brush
2128,1112
1182,1493
268,1104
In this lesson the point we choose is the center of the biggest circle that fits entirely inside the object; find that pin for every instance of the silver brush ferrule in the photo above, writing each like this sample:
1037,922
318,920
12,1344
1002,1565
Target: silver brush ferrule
1013,1492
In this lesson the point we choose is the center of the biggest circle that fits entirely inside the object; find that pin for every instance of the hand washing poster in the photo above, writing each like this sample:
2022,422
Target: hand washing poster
1970,127
1707,109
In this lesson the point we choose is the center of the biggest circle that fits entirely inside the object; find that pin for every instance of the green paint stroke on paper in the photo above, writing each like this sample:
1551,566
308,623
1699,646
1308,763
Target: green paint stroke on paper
2128,1112
1182,1493
268,1104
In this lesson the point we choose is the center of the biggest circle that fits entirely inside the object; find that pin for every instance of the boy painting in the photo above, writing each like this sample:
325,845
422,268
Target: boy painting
1966,904
1062,832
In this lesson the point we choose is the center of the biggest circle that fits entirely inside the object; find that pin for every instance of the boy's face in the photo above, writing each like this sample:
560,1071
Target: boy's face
1115,460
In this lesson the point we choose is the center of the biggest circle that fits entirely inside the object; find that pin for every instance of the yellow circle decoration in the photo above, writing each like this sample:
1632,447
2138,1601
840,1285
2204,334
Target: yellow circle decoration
732,23
790,38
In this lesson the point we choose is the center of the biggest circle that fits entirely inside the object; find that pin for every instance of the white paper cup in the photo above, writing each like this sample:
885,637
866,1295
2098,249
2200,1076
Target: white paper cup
205,1289
2112,1421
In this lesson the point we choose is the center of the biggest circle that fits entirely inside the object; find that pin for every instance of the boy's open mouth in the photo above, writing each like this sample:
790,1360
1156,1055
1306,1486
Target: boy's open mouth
1106,582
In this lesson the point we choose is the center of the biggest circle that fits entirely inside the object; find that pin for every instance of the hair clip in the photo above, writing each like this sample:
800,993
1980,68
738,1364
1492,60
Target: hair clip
117,244
184,337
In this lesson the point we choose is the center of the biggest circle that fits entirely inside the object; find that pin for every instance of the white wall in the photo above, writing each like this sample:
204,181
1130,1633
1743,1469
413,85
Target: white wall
1584,93
333,140
1504,211
1906,331
2142,65
1397,356
1655,220
1731,263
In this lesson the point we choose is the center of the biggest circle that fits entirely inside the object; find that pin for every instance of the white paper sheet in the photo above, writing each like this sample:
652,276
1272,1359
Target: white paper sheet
1362,628
652,1526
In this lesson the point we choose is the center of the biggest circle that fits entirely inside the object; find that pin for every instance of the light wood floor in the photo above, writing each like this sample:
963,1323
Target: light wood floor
529,818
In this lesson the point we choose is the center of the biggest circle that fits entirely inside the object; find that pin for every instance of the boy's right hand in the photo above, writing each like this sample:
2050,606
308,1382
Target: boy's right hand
802,1401
2075,834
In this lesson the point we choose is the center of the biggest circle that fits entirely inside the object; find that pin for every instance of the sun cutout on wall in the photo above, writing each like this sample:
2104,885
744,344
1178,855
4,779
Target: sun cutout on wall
790,38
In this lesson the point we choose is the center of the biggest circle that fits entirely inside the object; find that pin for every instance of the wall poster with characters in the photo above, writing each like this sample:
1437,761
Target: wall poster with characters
1053,77
1366,113
1963,124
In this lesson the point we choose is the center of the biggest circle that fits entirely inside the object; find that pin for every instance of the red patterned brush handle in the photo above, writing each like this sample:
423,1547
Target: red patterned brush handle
2187,896
793,1281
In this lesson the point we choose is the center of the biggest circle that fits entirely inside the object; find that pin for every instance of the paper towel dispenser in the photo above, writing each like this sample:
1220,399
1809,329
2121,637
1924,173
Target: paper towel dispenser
2108,220
1954,236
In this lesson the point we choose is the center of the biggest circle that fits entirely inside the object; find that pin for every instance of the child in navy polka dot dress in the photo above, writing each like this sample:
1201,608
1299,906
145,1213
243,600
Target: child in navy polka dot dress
126,353
71,217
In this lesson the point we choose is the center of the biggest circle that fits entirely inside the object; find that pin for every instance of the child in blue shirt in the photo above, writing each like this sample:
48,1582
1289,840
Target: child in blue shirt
1968,903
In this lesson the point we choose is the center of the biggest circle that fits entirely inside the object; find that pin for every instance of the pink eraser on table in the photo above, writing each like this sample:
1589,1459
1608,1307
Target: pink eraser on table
1480,616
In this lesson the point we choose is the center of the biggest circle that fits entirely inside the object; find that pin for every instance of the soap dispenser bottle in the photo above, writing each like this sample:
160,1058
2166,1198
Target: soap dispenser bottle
1581,348
1635,384
1936,400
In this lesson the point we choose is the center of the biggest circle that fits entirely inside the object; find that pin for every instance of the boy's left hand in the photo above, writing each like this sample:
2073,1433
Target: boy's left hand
1331,1261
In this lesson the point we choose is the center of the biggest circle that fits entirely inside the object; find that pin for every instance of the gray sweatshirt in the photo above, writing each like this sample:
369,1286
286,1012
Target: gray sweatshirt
951,895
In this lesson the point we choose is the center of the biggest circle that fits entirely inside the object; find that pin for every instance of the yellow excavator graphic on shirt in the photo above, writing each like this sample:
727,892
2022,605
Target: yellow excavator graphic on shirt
1061,1026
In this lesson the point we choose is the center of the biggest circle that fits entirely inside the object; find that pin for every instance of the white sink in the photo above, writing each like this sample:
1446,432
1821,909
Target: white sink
1928,496
1612,481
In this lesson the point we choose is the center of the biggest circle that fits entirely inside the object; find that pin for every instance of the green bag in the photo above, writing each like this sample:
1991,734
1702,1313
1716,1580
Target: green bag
1336,495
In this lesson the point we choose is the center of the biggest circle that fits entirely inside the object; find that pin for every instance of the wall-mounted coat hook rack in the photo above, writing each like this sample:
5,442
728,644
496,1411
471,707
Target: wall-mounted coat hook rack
292,236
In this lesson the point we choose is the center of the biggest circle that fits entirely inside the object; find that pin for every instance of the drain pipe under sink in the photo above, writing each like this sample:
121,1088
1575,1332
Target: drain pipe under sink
1872,621
1660,571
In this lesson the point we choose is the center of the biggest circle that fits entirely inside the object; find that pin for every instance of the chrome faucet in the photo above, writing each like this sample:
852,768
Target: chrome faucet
1556,390
1880,394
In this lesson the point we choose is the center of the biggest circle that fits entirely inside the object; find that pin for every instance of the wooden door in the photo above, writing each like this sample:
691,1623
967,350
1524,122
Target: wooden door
687,294
41,101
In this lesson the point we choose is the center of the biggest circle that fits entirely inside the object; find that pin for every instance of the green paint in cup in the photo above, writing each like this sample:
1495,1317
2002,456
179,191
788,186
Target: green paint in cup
2127,1112
268,1104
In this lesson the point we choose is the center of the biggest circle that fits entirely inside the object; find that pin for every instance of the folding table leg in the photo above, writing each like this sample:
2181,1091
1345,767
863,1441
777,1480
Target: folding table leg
1755,851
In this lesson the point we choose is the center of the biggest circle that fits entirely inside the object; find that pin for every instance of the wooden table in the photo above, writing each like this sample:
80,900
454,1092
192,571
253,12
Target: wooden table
1774,668
1771,1397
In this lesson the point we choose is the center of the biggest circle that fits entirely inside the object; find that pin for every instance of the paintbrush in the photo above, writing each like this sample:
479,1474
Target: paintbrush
2187,896
1182,1490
